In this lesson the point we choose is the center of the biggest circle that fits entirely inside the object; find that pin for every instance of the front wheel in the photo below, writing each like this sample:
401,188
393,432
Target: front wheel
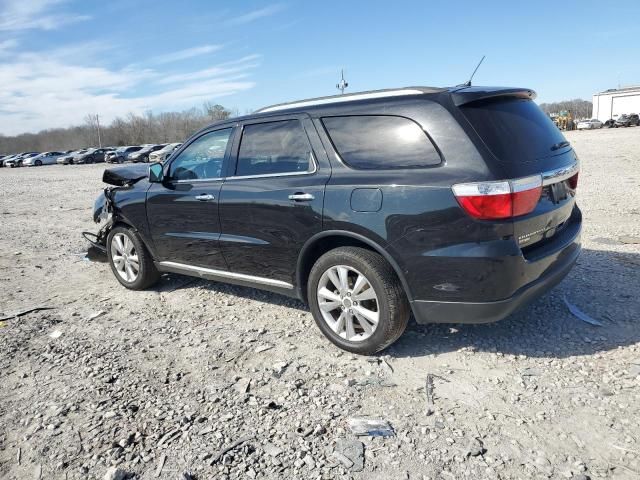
38,163
130,260
357,300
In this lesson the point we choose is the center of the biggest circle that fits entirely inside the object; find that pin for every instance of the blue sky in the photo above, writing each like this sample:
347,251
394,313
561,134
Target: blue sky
63,59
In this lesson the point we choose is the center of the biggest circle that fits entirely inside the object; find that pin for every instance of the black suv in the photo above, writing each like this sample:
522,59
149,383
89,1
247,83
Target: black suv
454,204
120,154
628,120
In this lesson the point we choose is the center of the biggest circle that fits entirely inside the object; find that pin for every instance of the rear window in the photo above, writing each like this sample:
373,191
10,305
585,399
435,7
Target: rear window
377,142
381,142
515,130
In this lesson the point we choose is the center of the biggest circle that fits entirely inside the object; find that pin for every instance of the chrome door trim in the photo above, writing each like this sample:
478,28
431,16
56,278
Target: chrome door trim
197,180
284,174
226,274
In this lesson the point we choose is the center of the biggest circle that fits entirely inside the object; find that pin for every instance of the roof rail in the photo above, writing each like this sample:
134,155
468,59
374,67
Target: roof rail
351,97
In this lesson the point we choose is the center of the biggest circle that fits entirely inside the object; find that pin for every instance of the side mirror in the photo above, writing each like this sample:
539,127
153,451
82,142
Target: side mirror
155,173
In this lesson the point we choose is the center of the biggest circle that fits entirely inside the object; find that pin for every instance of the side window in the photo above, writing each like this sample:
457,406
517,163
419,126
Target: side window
273,147
380,142
203,158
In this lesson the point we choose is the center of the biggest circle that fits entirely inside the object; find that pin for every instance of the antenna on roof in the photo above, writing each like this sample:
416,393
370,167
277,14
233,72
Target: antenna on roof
343,83
468,82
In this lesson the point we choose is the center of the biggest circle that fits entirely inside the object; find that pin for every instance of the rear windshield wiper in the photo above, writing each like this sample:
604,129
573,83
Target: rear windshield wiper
560,145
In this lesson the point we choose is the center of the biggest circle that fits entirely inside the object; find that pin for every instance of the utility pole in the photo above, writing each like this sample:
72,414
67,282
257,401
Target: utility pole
99,137
343,83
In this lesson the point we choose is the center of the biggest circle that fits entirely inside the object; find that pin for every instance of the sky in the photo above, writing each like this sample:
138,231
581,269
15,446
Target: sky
61,60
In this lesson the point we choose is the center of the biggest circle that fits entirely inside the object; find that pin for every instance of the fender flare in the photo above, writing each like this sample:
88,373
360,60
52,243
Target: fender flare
356,236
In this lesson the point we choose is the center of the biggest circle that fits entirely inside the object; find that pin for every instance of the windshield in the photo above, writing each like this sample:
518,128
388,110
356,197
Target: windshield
515,130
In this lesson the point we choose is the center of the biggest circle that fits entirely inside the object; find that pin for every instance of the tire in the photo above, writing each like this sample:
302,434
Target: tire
390,305
38,163
146,274
88,161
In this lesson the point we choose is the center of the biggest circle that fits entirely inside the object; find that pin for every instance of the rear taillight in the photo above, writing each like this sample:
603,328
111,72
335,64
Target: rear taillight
496,200
573,182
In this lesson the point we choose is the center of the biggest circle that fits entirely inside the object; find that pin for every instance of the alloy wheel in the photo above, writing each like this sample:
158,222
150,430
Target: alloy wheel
348,303
124,257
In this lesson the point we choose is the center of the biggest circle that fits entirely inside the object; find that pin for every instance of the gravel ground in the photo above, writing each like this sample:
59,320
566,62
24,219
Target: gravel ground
118,384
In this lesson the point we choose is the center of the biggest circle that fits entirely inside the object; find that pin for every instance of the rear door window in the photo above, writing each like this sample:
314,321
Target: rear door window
274,148
515,130
381,142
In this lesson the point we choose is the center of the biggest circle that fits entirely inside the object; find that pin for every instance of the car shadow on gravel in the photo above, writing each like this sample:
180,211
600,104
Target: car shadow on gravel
603,284
172,282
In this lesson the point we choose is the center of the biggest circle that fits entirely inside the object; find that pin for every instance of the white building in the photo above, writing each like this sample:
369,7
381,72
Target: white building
614,102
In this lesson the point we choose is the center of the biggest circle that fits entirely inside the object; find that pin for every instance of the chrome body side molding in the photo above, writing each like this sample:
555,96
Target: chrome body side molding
222,274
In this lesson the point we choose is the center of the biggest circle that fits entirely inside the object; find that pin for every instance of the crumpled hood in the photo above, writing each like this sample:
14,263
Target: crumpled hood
125,175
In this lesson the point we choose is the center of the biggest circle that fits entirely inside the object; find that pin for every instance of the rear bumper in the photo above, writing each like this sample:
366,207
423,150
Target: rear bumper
552,268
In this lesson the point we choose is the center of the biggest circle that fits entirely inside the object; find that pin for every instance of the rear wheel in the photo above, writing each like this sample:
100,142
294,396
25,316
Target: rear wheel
130,260
357,300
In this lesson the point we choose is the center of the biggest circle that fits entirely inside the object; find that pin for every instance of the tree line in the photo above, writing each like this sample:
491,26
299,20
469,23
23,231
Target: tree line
166,127
577,107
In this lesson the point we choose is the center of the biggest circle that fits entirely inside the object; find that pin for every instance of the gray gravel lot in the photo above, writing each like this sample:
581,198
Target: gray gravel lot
160,383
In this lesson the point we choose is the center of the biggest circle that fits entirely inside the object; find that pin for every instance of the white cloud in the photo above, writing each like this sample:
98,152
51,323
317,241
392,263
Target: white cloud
185,54
42,90
255,14
228,68
18,15
6,45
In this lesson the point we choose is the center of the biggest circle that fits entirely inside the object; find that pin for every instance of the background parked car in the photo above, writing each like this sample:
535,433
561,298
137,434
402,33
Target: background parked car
142,155
611,123
91,155
164,153
120,154
628,120
589,124
5,158
45,158
68,158
17,161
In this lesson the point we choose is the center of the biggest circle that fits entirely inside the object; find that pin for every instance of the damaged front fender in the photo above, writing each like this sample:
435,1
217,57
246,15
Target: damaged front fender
99,207
102,212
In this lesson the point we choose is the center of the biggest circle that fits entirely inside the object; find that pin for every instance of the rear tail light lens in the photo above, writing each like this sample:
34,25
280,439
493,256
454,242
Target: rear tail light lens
499,200
573,182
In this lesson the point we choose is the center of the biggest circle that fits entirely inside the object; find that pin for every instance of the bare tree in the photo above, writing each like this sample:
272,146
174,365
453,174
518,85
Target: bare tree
216,112
134,129
577,107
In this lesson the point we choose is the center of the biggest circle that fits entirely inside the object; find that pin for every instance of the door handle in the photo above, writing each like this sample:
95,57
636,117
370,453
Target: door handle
205,197
301,197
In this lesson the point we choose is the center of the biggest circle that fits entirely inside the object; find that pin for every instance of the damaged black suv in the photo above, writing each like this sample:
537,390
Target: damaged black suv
451,204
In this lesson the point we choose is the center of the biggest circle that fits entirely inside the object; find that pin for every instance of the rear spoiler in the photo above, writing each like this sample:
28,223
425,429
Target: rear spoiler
466,95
